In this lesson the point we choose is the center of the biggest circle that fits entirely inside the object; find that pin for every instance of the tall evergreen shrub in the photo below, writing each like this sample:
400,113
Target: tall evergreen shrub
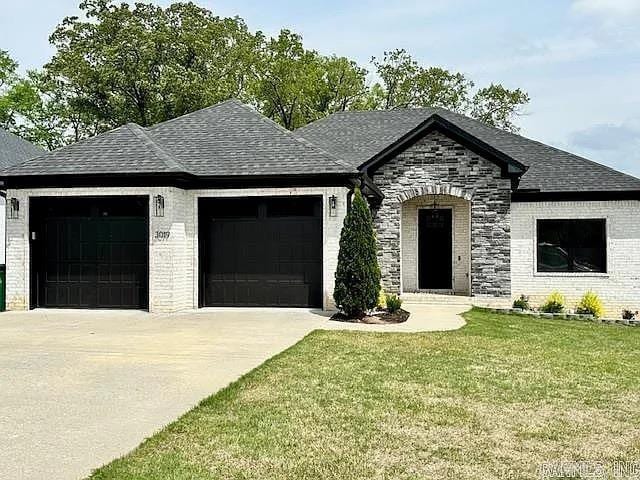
358,274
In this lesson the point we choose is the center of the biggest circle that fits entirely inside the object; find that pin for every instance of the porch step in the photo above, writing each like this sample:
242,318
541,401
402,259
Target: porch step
436,299
442,299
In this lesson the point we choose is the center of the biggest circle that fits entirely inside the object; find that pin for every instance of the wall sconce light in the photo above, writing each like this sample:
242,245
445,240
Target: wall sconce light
333,205
158,206
14,208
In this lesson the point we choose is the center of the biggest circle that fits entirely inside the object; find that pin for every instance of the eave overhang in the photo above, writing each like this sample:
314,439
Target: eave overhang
179,180
586,196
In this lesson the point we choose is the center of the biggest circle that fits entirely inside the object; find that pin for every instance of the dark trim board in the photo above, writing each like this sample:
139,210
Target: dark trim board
537,196
185,181
190,182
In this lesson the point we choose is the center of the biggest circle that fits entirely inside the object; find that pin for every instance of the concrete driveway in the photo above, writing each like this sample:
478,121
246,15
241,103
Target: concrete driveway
80,388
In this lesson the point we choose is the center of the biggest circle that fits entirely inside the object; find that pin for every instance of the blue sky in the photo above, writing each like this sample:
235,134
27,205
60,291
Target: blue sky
578,59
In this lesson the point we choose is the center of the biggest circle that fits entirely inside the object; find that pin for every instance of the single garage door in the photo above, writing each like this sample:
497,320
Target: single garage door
89,252
264,251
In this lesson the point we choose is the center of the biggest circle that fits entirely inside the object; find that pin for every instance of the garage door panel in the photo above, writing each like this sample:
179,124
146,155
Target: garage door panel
270,259
90,252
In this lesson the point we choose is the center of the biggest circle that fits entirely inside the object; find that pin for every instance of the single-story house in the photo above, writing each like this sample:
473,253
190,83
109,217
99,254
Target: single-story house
222,207
13,150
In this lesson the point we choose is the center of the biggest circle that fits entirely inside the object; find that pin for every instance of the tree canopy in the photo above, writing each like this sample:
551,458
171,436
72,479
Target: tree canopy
145,63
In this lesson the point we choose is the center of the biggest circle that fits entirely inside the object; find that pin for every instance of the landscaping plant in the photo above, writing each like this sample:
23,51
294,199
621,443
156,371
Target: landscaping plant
393,302
554,304
522,303
590,304
358,274
382,300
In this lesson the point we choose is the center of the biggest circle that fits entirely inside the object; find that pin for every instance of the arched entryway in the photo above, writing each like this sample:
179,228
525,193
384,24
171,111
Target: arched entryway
436,243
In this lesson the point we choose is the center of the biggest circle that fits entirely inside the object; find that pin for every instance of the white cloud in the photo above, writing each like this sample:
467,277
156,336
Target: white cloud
611,9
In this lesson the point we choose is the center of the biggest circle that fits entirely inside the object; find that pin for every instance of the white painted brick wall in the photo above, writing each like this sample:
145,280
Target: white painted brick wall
461,240
173,263
2,229
619,288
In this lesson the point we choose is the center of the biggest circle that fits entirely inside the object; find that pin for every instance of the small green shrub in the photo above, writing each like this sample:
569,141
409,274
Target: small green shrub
590,304
393,302
522,303
554,304
382,300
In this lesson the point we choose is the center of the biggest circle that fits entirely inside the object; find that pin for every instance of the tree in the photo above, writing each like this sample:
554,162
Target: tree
406,84
341,85
496,106
147,64
295,86
11,92
357,284
38,108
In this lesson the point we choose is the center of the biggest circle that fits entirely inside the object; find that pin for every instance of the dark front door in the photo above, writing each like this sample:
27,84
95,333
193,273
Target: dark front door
89,252
434,249
264,251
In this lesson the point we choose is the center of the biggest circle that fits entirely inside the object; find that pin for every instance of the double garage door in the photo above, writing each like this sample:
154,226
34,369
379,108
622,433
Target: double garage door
93,252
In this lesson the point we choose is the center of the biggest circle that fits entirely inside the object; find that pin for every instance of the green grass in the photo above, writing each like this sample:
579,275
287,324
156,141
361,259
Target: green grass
492,400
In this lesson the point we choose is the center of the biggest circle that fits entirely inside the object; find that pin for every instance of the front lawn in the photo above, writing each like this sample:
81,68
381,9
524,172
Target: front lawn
492,400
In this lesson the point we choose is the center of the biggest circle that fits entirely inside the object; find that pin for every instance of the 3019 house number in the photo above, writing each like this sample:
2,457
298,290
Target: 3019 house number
161,236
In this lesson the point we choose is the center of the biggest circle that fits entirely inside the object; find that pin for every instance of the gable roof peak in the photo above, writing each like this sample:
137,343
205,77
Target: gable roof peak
360,136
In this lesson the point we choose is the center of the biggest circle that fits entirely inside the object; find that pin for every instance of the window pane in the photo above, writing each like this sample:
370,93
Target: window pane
572,246
589,260
552,258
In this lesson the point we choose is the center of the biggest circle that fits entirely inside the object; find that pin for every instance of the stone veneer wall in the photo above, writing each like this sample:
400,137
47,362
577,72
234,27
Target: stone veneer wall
437,164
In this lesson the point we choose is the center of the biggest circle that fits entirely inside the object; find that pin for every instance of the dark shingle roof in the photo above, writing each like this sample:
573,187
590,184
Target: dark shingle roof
126,149
226,139
14,150
358,136
233,139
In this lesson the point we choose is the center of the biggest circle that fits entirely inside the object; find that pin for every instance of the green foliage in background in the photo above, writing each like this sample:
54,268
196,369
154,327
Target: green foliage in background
144,63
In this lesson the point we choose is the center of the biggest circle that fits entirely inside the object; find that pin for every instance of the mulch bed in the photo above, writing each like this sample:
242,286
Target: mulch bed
377,318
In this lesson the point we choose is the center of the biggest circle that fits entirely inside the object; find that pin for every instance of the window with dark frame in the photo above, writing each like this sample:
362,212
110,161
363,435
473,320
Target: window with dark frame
578,246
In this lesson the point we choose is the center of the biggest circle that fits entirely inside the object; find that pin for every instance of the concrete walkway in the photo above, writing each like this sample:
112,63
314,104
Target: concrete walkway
424,318
79,388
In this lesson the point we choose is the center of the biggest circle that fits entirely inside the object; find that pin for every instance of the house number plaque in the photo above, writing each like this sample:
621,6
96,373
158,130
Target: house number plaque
161,236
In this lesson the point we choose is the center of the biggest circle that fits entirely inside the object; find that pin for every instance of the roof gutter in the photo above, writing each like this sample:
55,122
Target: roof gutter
533,195
179,180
